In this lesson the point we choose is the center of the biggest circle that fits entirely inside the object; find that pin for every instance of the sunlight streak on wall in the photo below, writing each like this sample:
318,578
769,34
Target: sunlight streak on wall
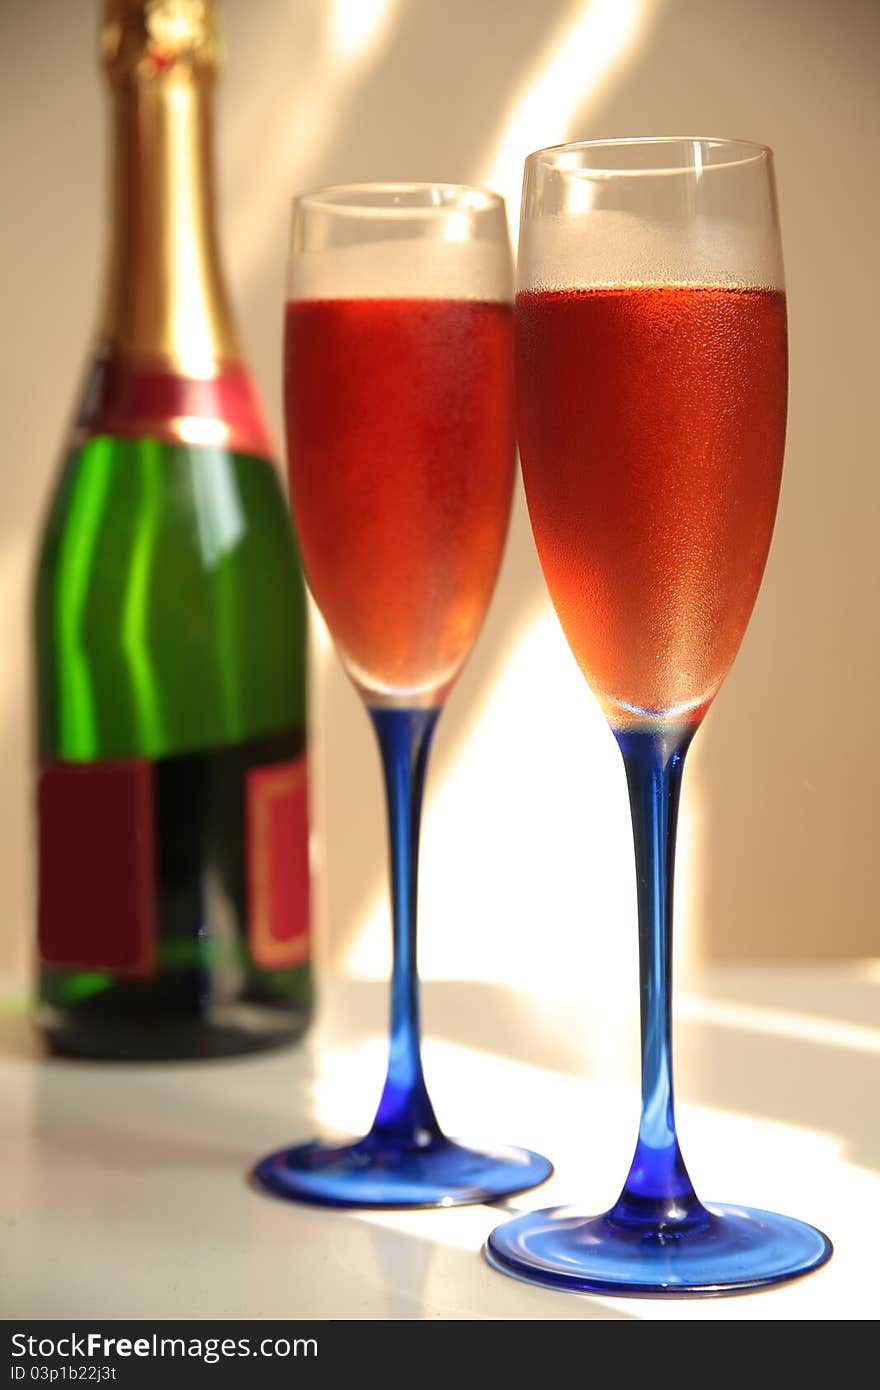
539,767
578,934
356,28
539,760
354,33
573,70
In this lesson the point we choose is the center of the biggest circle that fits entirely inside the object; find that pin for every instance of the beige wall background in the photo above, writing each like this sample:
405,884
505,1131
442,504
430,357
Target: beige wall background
526,863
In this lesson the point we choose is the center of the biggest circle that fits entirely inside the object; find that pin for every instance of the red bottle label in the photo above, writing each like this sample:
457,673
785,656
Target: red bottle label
96,886
278,864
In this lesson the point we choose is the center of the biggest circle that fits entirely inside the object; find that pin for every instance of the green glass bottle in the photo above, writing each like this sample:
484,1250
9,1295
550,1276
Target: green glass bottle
170,625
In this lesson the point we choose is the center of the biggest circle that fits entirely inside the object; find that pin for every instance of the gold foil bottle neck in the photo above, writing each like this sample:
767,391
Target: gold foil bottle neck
152,38
166,299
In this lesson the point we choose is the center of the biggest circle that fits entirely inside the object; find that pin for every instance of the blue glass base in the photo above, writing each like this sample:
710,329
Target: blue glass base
379,1172
734,1249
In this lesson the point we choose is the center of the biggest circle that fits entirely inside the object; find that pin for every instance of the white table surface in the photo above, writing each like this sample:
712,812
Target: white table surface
123,1192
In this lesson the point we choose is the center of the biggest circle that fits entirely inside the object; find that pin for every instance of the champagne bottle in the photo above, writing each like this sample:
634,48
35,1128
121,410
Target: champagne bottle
173,881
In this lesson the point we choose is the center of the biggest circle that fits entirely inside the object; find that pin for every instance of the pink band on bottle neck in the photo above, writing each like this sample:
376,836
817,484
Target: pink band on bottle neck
144,399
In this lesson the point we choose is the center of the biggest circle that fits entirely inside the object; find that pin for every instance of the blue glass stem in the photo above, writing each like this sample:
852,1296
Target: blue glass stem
405,1111
658,1192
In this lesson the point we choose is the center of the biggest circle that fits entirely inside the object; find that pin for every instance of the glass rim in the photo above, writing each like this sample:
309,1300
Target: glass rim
752,150
348,200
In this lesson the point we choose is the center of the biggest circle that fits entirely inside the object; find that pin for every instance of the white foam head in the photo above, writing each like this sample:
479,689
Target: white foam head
609,247
668,210
400,241
414,268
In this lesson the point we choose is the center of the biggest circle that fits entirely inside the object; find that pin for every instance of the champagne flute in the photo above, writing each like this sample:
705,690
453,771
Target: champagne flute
398,396
651,365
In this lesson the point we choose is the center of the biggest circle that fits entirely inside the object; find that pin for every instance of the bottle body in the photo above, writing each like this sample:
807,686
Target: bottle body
172,801
169,631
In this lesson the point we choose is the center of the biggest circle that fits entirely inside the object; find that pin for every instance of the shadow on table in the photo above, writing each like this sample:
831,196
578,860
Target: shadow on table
416,1274
18,1036
178,1118
820,1083
795,1079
